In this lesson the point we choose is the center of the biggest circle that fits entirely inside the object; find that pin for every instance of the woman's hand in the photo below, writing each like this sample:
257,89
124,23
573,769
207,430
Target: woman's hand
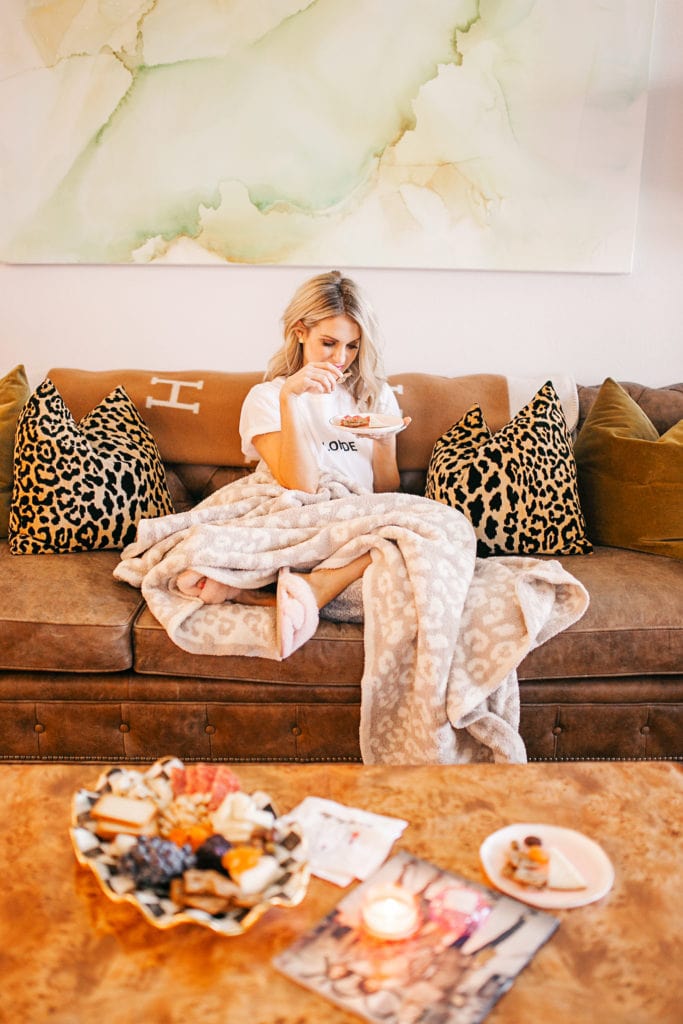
287,451
316,378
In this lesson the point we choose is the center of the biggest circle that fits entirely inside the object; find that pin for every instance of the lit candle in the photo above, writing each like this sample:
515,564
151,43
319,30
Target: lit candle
390,913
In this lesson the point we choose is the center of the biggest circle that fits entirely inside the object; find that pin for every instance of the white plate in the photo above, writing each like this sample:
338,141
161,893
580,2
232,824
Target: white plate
585,854
380,425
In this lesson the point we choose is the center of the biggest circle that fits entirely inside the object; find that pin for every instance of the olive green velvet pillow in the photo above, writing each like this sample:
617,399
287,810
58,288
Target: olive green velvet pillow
14,393
630,478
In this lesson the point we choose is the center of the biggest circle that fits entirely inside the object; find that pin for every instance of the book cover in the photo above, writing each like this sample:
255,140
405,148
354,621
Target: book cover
468,945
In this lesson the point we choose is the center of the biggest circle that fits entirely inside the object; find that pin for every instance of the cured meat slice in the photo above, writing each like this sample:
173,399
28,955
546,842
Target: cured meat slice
216,781
225,781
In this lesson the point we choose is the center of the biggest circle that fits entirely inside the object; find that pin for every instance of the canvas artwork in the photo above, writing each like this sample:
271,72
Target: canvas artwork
478,134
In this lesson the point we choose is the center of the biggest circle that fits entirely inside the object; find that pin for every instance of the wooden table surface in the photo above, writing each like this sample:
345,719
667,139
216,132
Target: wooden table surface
69,955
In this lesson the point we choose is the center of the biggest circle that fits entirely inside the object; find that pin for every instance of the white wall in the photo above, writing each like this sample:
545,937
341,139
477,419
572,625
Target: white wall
450,322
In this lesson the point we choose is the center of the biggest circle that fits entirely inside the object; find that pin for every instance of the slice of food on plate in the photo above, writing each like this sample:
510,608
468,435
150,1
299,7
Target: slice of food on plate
562,874
530,863
527,862
354,421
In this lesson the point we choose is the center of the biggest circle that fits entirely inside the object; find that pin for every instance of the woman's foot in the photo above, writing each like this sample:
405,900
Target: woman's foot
192,584
325,585
298,599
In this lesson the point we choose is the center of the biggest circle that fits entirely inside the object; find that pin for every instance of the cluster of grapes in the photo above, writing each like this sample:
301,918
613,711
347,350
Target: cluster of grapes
153,862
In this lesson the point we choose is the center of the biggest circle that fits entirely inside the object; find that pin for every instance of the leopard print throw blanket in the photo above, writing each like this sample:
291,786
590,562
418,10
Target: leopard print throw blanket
444,631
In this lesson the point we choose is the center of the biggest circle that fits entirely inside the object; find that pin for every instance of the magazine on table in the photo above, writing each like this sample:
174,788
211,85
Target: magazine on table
467,945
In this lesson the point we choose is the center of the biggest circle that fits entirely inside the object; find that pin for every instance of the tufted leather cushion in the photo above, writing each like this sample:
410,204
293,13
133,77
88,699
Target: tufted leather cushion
633,625
64,612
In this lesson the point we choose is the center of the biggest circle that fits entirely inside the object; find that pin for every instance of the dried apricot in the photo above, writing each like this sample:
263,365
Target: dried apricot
178,836
240,858
198,834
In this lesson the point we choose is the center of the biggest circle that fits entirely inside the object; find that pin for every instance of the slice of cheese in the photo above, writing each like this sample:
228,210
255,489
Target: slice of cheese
258,878
562,874
124,810
108,829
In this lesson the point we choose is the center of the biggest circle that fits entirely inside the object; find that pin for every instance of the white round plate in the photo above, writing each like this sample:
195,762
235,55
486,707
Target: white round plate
585,854
380,425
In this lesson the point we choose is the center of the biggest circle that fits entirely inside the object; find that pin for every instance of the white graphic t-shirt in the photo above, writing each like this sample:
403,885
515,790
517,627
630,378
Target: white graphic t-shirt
338,452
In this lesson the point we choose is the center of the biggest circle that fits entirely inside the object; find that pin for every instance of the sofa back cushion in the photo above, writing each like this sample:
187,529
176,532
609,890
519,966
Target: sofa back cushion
192,414
435,402
663,406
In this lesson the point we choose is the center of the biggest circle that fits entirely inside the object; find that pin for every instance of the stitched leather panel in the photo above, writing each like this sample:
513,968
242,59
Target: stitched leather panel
111,731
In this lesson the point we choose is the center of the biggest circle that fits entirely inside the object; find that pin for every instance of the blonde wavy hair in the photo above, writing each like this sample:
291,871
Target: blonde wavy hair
332,294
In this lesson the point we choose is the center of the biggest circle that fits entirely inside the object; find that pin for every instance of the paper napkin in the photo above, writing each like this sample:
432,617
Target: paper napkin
345,842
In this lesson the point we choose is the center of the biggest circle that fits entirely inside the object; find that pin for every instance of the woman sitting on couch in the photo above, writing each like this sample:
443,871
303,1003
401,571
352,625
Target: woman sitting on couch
328,368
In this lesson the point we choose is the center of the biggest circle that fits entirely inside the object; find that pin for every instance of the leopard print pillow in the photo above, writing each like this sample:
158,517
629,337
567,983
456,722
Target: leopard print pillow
518,487
85,486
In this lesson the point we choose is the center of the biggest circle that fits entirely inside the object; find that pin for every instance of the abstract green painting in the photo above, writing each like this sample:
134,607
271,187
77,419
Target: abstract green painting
488,134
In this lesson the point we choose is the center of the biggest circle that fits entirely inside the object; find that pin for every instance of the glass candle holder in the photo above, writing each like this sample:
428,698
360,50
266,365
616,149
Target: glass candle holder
390,913
459,910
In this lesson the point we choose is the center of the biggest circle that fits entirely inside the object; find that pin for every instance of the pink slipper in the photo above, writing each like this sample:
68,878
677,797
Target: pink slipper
297,612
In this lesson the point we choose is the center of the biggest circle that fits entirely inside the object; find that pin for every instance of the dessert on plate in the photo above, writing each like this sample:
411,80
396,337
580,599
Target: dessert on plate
532,864
354,421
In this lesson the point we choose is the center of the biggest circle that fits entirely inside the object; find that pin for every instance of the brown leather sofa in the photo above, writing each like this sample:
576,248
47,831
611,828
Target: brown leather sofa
87,673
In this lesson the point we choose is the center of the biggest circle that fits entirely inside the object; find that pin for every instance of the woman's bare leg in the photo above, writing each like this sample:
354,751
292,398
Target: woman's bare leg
328,583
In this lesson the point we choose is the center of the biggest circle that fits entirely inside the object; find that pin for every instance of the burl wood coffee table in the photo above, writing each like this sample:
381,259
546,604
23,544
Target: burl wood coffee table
69,955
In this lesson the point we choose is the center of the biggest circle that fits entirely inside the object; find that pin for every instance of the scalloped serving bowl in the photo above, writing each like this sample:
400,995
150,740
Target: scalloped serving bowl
287,890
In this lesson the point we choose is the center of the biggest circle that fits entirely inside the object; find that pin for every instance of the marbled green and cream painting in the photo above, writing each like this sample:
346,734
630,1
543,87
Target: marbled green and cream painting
488,134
